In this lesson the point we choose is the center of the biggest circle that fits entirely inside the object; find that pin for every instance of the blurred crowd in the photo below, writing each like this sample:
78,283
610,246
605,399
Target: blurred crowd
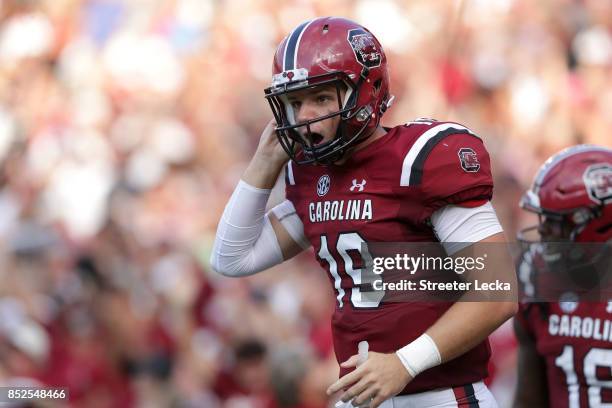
125,125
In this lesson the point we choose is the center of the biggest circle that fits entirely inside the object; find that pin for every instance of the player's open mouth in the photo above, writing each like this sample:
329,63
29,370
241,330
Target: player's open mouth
314,138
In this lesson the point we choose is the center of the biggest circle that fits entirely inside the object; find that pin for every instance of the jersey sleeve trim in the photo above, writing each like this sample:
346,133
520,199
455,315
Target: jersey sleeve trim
412,167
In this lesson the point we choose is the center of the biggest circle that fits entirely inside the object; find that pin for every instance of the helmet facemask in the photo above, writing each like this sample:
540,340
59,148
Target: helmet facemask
554,239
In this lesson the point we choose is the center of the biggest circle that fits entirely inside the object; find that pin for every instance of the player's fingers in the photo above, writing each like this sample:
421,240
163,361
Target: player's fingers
379,399
269,127
365,396
351,362
268,136
345,381
355,390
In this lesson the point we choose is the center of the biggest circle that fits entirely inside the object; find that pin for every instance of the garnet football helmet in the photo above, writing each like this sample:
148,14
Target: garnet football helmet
322,52
572,195
574,189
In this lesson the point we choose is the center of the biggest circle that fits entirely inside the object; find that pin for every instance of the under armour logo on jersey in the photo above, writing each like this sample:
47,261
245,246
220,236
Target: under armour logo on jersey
358,185
323,185
609,307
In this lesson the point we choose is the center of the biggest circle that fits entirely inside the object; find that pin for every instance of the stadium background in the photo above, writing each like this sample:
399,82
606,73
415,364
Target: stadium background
124,126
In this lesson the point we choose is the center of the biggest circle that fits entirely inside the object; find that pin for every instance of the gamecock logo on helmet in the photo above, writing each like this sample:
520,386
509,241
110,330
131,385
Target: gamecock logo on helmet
364,47
598,182
469,160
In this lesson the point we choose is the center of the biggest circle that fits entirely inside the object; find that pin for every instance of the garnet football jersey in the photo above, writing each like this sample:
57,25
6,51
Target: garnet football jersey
387,192
575,341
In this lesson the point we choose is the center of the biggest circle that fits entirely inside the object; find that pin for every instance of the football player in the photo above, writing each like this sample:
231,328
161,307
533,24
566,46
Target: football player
565,348
348,181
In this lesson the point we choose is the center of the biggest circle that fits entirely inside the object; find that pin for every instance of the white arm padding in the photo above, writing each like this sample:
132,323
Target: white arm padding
285,212
458,227
245,242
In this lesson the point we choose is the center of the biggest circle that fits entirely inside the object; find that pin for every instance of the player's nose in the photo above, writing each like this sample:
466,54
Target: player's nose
544,230
306,112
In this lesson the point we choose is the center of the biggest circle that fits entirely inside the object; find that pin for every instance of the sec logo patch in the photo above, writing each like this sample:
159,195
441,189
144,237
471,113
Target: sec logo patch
323,185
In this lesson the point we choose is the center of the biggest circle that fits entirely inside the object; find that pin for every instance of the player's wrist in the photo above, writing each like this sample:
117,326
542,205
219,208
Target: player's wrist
420,355
262,172
245,185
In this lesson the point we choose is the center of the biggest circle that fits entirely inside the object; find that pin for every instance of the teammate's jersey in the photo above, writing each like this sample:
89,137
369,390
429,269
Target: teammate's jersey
387,192
575,341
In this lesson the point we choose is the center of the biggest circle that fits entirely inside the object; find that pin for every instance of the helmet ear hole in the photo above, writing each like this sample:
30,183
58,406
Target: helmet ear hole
377,85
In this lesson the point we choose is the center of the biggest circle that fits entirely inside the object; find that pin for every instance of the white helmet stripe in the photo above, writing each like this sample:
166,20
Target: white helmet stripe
297,45
290,52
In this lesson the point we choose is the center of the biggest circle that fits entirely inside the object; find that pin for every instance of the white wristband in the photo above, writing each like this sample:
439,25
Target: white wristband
419,355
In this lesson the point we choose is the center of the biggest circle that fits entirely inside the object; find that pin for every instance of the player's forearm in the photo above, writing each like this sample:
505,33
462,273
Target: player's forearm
459,330
245,242
466,324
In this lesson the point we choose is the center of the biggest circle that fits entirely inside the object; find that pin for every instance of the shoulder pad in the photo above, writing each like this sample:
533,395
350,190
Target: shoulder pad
414,161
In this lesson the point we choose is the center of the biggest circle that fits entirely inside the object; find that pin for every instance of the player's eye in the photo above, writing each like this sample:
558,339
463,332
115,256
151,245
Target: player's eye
323,98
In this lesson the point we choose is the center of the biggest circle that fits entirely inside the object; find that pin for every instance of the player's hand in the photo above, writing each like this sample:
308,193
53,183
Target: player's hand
380,377
268,161
269,150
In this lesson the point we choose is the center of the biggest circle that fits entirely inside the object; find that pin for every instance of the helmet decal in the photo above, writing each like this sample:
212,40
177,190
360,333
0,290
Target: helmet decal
364,47
598,182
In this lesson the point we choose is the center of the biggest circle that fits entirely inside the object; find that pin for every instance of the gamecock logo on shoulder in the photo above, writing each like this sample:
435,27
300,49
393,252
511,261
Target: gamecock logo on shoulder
598,182
469,160
364,47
